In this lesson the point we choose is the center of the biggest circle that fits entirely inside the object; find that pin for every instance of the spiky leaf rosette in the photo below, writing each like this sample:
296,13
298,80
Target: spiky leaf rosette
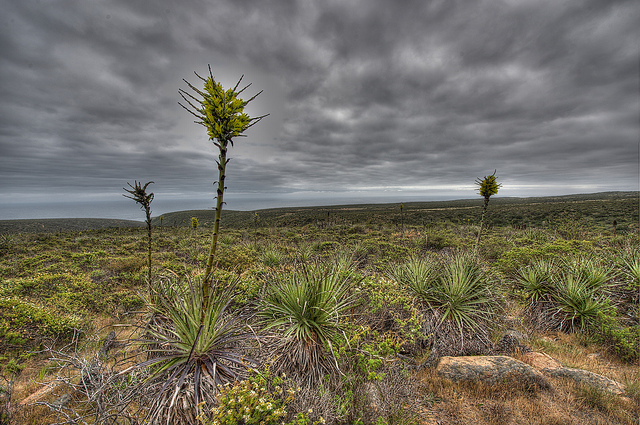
418,274
187,354
535,281
463,295
306,308
462,309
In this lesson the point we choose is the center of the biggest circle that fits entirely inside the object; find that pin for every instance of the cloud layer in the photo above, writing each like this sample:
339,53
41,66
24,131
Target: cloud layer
365,96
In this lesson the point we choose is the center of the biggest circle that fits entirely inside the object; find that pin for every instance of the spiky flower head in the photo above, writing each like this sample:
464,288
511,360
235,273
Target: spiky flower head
488,186
139,194
220,111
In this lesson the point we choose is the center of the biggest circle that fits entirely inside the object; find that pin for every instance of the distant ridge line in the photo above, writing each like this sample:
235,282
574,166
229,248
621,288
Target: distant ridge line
273,216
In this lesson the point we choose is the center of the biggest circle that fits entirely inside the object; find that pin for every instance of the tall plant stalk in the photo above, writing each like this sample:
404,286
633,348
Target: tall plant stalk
487,187
221,112
139,194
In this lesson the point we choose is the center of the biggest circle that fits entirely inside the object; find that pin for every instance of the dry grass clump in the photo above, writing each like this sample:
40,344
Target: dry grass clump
566,403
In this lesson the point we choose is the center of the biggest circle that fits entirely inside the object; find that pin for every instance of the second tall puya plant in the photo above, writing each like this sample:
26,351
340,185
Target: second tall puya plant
487,187
139,194
221,112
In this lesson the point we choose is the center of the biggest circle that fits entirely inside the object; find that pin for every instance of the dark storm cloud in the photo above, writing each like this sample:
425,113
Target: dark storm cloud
363,95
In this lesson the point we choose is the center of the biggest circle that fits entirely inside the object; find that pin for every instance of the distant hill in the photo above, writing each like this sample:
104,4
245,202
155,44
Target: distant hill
53,225
596,209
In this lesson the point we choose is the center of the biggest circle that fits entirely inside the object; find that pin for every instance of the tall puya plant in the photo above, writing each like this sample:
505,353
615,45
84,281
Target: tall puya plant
221,112
139,194
487,187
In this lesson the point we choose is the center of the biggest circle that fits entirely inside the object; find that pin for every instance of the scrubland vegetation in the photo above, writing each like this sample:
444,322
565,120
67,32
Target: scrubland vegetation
297,317
322,318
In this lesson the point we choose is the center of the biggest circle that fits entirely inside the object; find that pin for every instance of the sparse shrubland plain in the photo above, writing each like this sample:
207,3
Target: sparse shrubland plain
331,314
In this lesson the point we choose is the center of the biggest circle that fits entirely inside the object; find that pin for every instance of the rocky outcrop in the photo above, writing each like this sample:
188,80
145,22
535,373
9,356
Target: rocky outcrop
531,371
541,361
553,368
490,370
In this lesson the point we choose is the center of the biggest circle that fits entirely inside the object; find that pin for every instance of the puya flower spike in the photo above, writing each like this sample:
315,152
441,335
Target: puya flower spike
222,113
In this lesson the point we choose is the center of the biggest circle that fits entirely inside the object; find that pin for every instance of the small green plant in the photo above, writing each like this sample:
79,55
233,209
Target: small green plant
487,187
623,340
6,244
249,402
139,194
577,301
592,271
194,223
272,256
569,225
596,398
304,253
629,265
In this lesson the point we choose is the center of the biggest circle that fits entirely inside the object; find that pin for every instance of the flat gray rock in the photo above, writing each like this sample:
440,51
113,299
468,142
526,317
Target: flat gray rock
551,367
490,370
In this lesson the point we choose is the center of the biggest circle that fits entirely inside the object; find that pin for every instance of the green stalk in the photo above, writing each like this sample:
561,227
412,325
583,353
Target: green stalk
139,194
484,212
487,187
148,211
222,166
222,113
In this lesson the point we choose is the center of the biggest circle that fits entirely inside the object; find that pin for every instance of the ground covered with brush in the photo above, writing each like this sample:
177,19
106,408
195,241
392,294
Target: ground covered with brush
329,322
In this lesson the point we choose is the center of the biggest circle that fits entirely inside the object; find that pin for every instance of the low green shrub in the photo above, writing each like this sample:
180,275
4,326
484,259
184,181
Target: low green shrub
248,402
120,265
261,399
623,340
439,239
385,306
7,244
272,256
26,323
326,246
236,258
510,261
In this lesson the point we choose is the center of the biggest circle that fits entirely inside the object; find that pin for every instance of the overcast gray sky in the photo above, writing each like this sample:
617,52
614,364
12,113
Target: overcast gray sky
368,100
